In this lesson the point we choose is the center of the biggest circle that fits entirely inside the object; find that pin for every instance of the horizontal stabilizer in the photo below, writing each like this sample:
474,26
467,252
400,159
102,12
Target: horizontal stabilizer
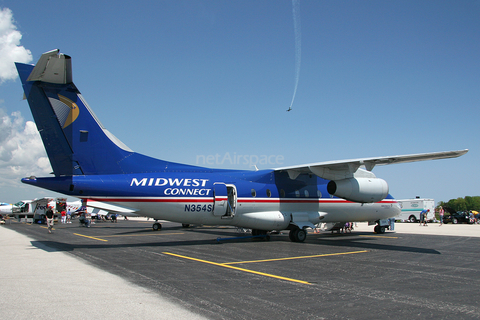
110,207
53,67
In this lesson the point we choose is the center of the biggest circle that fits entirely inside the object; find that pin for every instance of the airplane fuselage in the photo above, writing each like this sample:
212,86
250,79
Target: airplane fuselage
6,208
266,199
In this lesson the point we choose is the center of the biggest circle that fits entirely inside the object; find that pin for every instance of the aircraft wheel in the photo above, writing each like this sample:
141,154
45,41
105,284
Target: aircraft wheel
291,235
300,235
379,229
185,225
157,226
297,235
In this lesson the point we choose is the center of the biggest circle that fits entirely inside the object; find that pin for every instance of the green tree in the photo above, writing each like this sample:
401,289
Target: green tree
473,203
458,204
463,204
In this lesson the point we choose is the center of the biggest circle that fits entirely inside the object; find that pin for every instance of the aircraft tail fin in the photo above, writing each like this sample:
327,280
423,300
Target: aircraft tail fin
75,140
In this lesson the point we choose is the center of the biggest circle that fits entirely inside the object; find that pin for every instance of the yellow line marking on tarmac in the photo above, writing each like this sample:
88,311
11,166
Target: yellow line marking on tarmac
131,235
294,258
239,269
361,235
142,235
82,235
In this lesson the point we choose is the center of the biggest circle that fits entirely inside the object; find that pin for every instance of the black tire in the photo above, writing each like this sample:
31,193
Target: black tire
297,235
185,225
454,220
157,226
301,235
291,235
382,229
412,219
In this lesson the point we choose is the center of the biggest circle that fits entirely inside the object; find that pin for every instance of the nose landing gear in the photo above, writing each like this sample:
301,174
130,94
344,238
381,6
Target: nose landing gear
381,226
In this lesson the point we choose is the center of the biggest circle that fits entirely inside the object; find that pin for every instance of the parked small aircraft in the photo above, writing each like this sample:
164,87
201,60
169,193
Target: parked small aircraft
92,164
5,208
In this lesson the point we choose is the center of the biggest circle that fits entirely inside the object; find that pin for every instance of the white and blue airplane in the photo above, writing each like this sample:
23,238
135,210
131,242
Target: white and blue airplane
6,208
90,163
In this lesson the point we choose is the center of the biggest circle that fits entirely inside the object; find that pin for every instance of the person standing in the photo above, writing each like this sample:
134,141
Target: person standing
391,222
49,215
441,212
64,216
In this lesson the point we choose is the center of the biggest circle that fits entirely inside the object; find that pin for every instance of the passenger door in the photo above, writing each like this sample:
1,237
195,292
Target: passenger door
225,200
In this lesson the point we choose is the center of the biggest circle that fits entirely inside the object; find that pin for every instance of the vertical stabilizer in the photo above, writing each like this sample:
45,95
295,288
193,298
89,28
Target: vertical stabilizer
75,140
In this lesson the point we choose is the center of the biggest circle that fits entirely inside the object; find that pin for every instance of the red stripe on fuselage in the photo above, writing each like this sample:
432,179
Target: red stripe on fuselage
211,200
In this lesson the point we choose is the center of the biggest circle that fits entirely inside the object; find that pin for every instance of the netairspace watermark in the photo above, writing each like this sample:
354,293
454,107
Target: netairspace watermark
235,159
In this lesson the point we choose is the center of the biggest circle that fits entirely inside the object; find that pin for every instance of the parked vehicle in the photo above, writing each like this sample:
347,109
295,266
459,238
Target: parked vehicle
411,209
456,217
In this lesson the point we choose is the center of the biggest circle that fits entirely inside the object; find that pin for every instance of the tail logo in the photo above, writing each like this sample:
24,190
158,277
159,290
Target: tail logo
65,109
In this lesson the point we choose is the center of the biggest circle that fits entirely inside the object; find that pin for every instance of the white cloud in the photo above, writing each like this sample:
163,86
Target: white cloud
10,49
21,149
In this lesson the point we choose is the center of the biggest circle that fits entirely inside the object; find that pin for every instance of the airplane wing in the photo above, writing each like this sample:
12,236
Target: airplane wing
344,169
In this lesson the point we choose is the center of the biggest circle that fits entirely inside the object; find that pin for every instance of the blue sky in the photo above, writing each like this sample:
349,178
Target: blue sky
184,80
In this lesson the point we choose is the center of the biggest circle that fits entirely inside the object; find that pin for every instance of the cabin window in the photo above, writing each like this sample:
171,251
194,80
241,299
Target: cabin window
269,193
306,194
319,194
297,193
254,193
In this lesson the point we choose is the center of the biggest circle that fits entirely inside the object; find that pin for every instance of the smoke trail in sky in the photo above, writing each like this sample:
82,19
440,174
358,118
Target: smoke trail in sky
298,44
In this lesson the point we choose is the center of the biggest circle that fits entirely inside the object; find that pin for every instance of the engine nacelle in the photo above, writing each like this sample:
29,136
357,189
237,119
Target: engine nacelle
363,190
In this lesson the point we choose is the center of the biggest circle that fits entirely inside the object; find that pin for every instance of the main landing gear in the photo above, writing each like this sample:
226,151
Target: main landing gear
297,235
157,226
